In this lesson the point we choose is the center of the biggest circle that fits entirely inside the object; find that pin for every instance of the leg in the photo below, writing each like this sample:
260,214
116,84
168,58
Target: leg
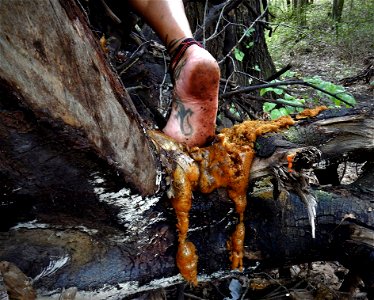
196,75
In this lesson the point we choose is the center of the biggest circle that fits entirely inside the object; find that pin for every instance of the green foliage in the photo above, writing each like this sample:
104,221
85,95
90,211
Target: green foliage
350,39
295,103
238,54
273,110
332,88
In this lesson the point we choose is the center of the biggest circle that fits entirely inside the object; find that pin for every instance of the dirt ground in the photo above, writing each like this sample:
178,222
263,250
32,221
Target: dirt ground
332,68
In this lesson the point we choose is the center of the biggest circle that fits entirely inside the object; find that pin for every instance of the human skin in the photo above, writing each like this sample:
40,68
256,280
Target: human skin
196,75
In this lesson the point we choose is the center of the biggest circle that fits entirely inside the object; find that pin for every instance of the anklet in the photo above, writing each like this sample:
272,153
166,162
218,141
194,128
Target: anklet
179,52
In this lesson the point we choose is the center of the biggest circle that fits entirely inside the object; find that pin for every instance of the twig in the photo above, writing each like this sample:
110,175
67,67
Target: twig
246,284
243,36
193,296
136,88
214,13
135,56
220,16
279,73
140,49
278,101
204,22
246,110
163,80
280,83
128,66
216,32
214,35
86,15
110,13
232,74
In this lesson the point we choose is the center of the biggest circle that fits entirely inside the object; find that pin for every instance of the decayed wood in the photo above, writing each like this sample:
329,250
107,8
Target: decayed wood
95,232
89,254
50,58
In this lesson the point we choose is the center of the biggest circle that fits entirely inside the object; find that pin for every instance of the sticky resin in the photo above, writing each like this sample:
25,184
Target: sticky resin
310,112
184,182
225,164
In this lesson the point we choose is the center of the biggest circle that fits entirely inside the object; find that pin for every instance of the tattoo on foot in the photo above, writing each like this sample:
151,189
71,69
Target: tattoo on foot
178,69
172,45
183,116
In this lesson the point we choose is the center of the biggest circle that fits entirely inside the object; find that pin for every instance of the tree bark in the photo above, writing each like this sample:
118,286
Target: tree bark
242,14
57,69
337,9
70,212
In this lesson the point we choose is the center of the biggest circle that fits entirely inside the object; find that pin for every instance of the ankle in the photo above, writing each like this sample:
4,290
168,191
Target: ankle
179,50
173,45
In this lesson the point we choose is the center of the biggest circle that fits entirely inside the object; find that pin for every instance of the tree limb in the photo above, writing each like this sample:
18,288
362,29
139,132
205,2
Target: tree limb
281,83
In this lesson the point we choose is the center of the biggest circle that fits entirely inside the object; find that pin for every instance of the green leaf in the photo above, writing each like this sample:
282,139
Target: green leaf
288,97
248,32
283,111
337,102
264,91
271,89
289,74
256,68
268,106
290,109
348,98
249,45
278,91
299,109
275,114
239,55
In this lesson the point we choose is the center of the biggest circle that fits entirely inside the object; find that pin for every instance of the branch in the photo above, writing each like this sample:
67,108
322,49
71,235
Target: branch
214,13
279,73
278,101
280,83
243,36
110,13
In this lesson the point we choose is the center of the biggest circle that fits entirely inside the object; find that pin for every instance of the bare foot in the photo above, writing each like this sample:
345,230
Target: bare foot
193,115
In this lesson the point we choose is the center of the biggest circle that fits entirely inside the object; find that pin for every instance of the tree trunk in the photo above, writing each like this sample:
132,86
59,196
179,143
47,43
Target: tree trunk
56,67
337,9
248,14
300,11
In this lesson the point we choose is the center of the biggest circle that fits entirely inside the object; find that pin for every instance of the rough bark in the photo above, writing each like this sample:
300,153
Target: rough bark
70,210
51,60
93,254
337,10
242,14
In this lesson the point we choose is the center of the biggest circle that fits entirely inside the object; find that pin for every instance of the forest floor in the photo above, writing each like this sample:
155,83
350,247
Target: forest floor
330,67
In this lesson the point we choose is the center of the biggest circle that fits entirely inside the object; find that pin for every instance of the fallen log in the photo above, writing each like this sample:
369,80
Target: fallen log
67,220
92,255
55,66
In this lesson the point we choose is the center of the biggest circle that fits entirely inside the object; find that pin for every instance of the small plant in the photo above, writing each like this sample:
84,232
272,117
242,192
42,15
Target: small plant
328,93
284,98
337,90
238,54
